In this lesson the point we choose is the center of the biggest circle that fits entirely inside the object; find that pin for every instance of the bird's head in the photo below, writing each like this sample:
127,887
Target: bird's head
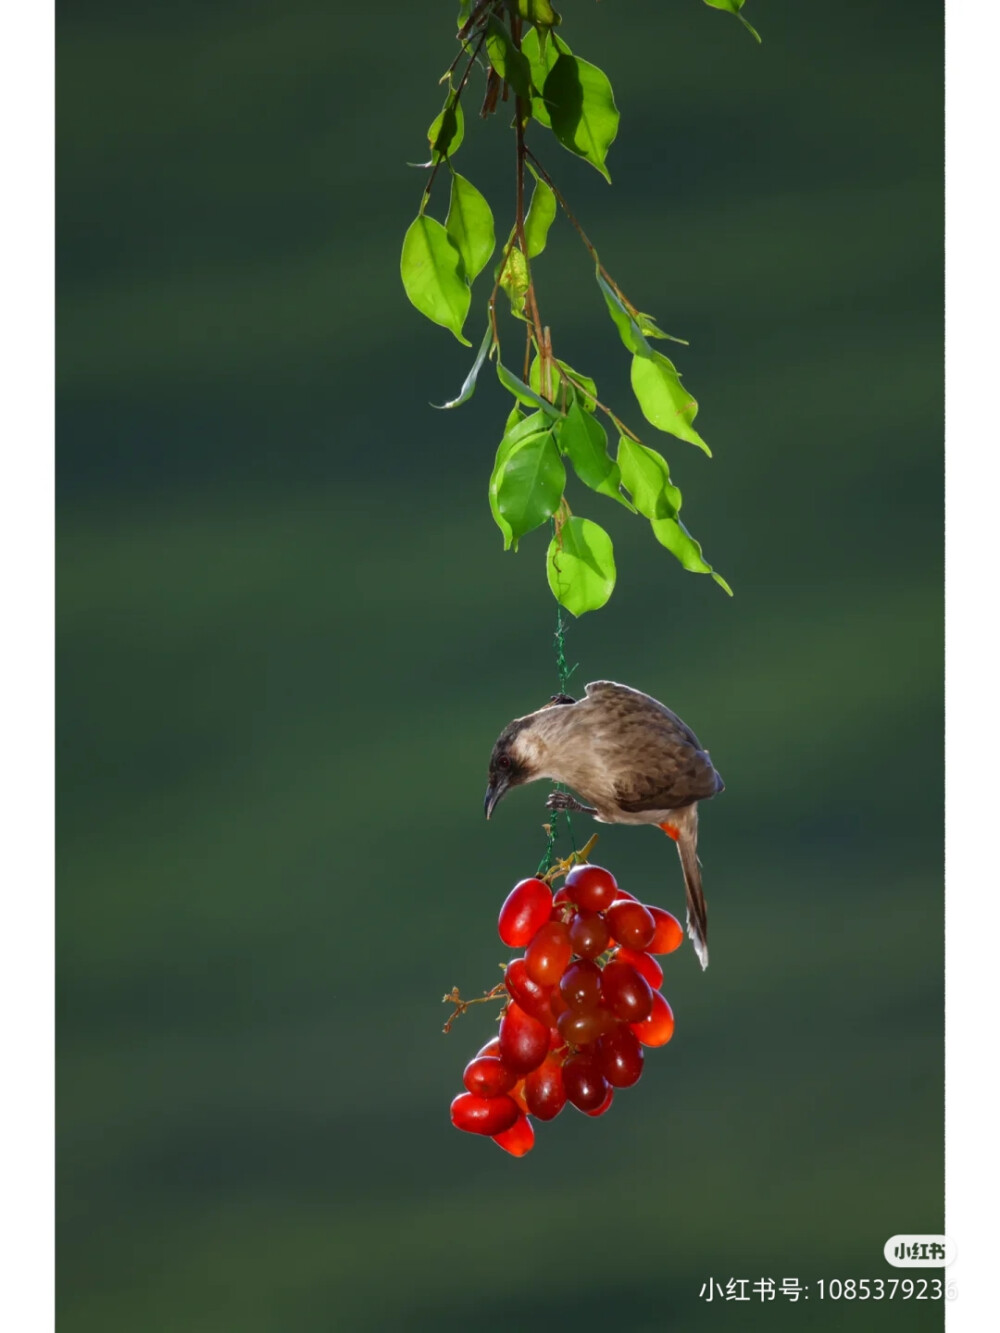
511,762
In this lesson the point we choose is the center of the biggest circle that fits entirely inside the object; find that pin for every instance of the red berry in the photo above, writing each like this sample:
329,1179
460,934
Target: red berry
492,1047
609,1097
519,1139
626,992
592,888
580,986
582,1027
526,908
627,897
517,1095
487,1076
646,967
620,1057
586,1087
631,924
483,1115
524,1042
668,935
658,1028
532,998
562,897
544,1090
588,934
548,953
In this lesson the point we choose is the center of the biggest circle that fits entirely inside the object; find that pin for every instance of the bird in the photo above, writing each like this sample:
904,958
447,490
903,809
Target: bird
630,759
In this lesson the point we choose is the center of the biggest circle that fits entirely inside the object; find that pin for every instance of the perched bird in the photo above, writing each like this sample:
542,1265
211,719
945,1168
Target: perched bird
632,761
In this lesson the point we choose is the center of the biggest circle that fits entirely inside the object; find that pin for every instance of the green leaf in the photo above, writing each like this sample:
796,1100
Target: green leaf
513,417
505,528
734,7
581,566
541,215
535,379
446,131
585,443
541,56
531,484
671,533
646,477
524,394
563,391
470,226
514,280
663,399
581,107
539,12
469,385
585,396
509,63
628,330
649,328
433,275
522,426
655,380
518,427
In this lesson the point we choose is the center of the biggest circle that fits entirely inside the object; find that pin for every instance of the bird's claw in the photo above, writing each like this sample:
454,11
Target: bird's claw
562,800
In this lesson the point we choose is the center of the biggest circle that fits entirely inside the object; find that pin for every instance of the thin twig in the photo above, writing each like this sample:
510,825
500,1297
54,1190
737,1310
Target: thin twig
453,997
597,403
452,103
564,866
560,198
530,295
473,18
496,287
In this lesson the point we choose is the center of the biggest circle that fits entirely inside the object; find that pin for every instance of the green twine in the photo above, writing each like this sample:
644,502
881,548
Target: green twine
546,862
564,671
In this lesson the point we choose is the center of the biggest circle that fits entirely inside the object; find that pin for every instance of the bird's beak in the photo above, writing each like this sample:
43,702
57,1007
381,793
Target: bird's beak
493,794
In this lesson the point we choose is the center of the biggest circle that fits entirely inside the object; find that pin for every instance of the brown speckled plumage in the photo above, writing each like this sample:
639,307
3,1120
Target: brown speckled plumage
632,761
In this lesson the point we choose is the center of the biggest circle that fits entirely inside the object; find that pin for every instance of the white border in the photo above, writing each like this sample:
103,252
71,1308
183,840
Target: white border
26,669
27,678
973,663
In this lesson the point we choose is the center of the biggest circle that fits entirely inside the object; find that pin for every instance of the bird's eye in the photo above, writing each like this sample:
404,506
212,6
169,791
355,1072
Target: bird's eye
504,761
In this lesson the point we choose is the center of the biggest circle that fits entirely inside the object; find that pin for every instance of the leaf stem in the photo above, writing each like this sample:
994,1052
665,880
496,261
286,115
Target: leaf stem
561,199
496,287
530,295
452,103
498,992
597,403
477,13
522,115
564,866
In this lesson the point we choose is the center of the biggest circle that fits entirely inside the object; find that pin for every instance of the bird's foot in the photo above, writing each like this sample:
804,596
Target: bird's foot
562,800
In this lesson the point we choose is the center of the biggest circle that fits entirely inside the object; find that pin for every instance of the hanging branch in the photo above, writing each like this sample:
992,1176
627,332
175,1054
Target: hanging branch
554,426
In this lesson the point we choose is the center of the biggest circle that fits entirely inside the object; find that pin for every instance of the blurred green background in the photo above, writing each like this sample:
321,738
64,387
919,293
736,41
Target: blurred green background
288,636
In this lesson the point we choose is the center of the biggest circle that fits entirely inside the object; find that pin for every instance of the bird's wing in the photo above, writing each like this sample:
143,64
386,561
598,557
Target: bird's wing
603,686
656,759
635,707
670,788
667,775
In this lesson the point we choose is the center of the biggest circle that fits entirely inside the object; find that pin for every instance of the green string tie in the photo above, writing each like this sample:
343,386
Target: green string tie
564,671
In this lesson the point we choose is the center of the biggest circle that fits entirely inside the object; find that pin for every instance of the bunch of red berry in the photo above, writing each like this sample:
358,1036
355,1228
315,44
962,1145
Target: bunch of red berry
583,1002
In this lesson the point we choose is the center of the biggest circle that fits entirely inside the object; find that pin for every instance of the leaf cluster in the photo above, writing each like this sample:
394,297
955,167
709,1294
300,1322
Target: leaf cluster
553,430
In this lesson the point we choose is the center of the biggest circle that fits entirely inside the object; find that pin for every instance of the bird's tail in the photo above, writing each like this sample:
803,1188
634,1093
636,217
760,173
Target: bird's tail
697,908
